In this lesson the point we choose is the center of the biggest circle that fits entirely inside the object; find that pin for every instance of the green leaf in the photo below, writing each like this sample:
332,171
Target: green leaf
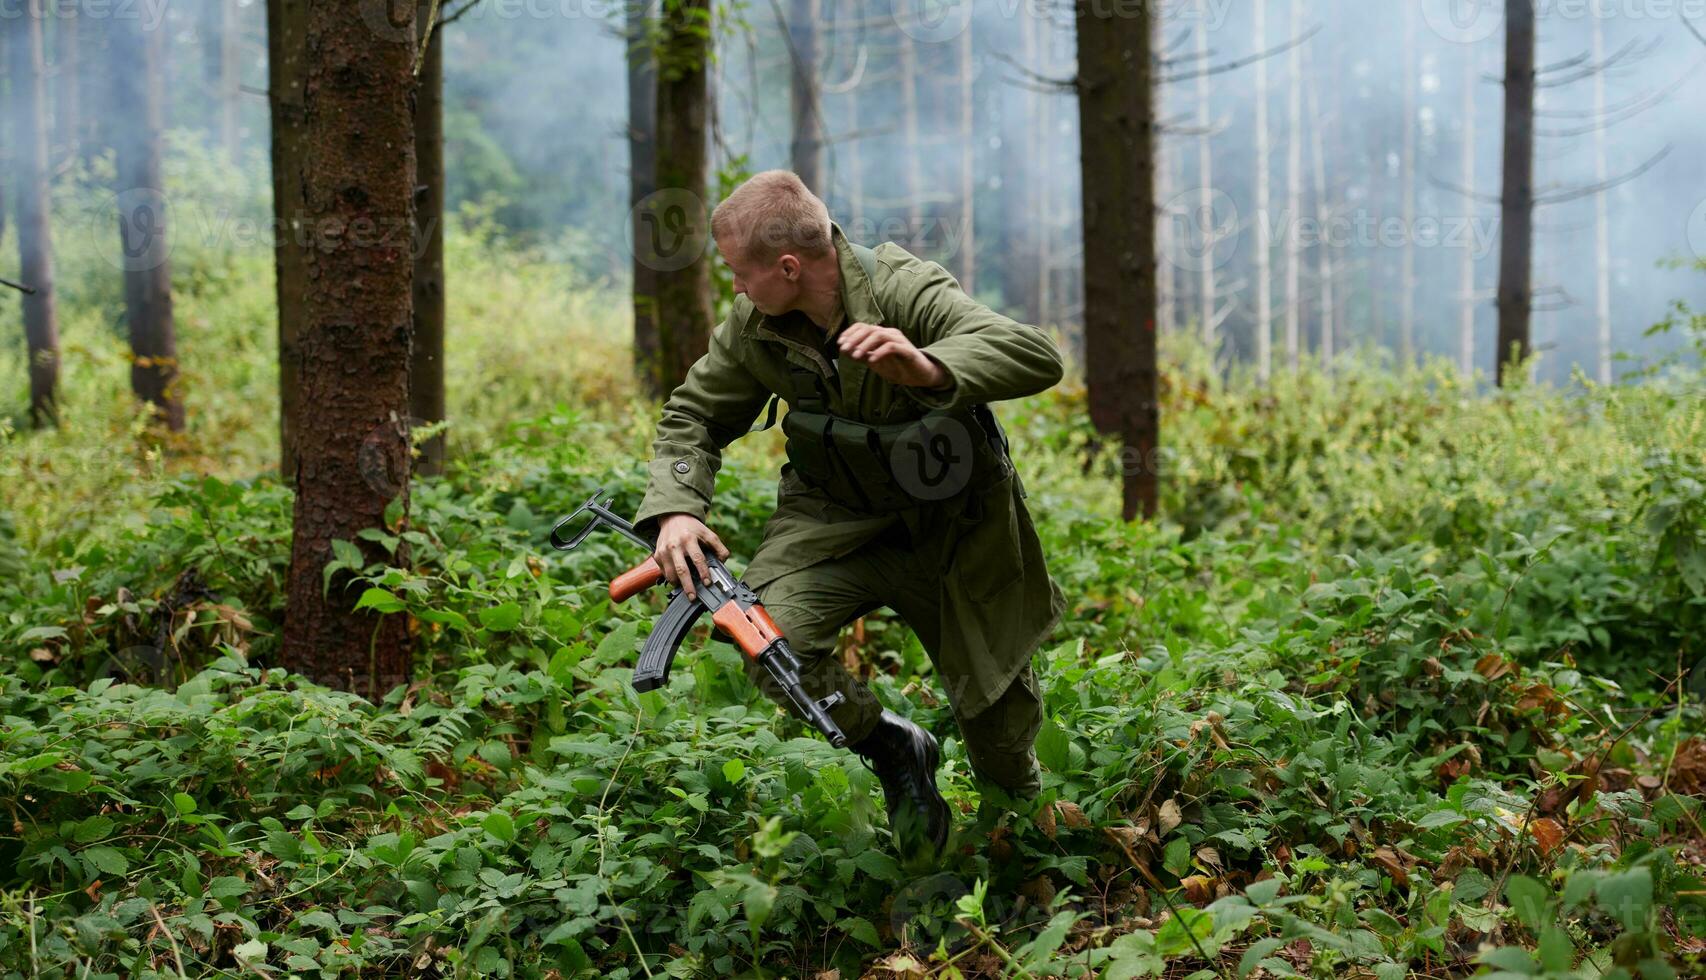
1176,857
184,802
1054,747
1528,898
1257,952
1628,896
93,829
1556,950
1263,892
499,825
501,618
109,859
381,599
733,770
347,554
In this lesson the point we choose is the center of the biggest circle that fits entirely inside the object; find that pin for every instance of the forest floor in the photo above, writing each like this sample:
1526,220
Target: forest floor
1405,681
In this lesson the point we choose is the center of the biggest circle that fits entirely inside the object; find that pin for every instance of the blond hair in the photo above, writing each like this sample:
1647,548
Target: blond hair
773,213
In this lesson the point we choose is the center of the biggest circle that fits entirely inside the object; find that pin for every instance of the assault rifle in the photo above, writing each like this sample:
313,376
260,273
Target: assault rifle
734,608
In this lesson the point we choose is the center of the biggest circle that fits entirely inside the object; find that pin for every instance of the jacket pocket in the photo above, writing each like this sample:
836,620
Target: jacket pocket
987,558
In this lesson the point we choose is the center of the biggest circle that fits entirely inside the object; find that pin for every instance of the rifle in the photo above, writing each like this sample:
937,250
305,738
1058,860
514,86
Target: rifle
734,608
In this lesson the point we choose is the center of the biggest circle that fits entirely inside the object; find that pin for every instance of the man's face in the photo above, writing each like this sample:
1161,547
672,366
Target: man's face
767,284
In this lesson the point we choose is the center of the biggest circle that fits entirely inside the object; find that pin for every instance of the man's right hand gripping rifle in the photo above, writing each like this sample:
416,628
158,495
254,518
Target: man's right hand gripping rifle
702,584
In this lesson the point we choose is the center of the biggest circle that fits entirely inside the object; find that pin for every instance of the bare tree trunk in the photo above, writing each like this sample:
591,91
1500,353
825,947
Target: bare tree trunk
1517,197
1264,260
1117,157
1045,190
642,181
1205,185
1294,192
1323,216
287,41
358,170
27,109
138,114
1407,166
67,71
912,183
1601,225
968,175
1166,272
806,150
1020,220
684,302
426,358
230,76
1466,257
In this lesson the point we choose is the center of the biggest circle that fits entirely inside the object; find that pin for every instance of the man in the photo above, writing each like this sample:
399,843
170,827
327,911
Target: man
898,491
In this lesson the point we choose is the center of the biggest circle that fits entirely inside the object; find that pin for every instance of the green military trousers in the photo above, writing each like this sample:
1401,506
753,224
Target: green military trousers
812,604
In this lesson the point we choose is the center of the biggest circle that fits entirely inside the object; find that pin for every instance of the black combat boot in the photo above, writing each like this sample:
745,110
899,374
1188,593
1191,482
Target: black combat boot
904,757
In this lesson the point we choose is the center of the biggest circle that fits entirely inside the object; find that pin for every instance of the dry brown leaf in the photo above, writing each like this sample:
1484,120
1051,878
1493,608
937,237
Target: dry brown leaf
1209,856
1198,888
1040,890
1072,815
1492,666
1169,817
1548,832
1389,862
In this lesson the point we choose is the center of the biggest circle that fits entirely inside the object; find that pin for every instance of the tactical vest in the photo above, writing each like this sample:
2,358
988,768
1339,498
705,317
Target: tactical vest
878,469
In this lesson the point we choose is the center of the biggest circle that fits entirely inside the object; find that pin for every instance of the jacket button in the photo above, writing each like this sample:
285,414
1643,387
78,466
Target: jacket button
681,466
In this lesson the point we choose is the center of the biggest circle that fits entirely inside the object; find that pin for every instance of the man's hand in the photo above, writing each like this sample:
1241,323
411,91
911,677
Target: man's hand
680,537
893,358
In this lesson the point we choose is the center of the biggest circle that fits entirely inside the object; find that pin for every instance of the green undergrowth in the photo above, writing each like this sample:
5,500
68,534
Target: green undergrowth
1404,681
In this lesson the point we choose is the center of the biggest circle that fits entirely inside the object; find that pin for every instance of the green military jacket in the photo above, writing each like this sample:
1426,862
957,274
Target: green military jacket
998,602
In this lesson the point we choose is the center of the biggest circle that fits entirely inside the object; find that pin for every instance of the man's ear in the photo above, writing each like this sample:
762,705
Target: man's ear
790,267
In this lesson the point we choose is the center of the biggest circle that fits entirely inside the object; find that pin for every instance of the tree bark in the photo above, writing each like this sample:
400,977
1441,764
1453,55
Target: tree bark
1117,144
1205,185
1517,195
27,109
358,175
805,152
1264,258
1601,222
426,358
1407,168
138,115
1466,258
286,63
1294,193
968,174
1323,215
642,181
684,301
67,72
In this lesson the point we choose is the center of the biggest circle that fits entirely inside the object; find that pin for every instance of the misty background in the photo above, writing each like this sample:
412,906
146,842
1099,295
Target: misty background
536,117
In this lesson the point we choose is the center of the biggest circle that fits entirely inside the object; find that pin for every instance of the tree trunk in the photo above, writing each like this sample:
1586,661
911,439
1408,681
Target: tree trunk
911,151
357,171
1323,215
426,357
286,62
1045,190
684,302
1601,224
1407,167
1117,130
806,150
230,77
1517,195
27,110
1466,257
968,174
1019,218
1204,222
1166,269
1264,259
137,116
67,72
642,167
1294,193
